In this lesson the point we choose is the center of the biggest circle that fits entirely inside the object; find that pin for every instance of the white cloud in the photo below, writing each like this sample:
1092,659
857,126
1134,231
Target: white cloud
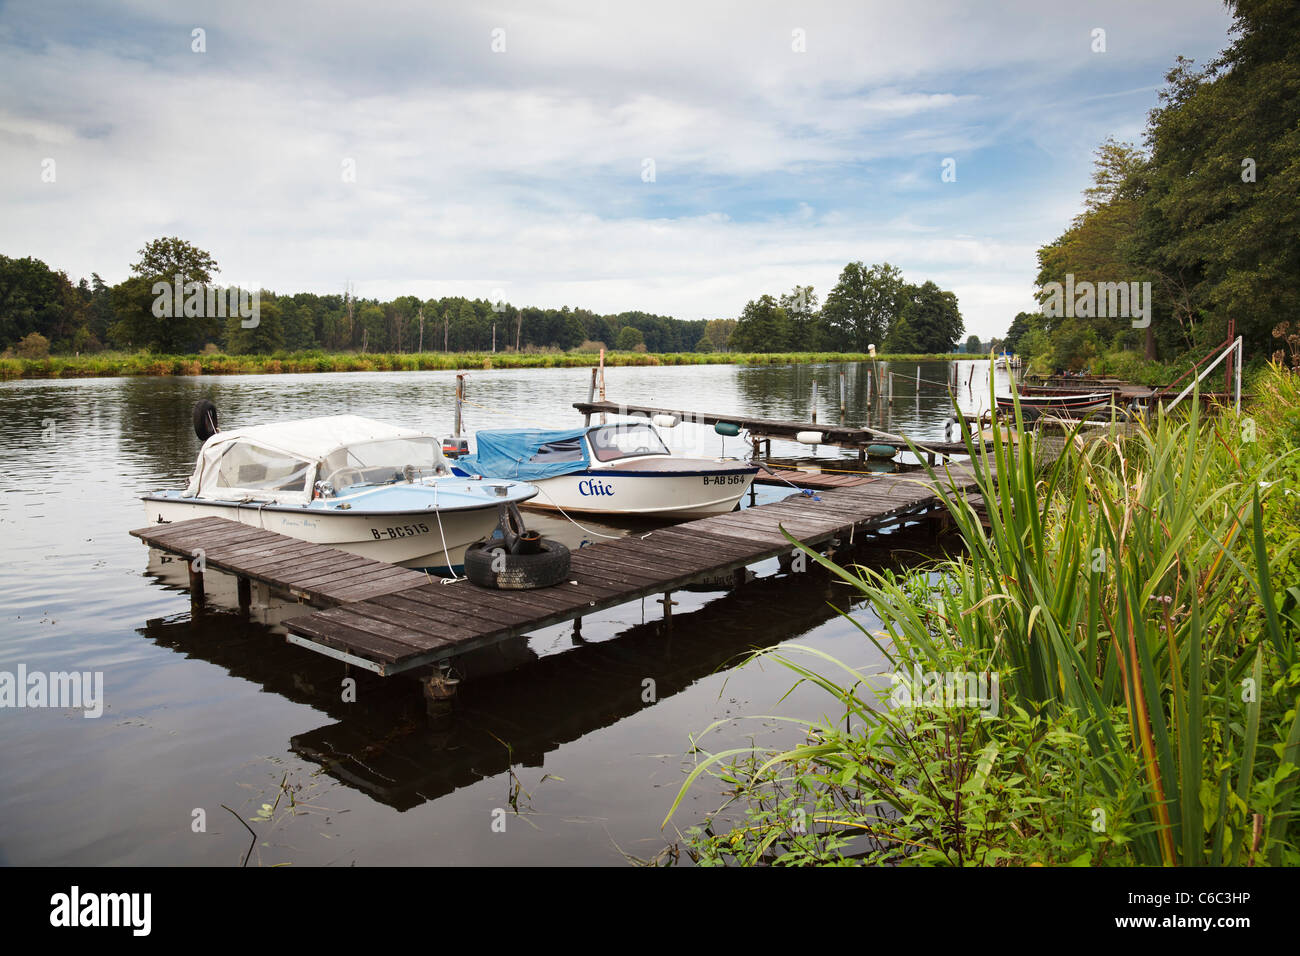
523,170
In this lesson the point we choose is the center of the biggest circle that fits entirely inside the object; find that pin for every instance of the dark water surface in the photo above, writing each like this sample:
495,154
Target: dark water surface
213,709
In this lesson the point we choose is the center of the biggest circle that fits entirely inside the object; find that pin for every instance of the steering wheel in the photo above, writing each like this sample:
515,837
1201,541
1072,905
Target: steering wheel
643,450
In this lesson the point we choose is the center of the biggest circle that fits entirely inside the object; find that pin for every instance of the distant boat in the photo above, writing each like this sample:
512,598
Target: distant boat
1066,405
623,468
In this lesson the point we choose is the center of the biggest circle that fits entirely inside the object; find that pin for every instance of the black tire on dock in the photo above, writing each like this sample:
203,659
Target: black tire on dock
205,419
522,571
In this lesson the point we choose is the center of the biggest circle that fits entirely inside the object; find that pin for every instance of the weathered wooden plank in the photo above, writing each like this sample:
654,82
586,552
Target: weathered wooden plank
324,577
399,625
341,561
368,588
415,640
451,625
620,569
469,603
346,637
643,556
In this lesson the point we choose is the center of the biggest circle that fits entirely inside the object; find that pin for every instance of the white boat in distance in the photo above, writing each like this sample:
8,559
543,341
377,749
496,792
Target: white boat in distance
351,483
623,468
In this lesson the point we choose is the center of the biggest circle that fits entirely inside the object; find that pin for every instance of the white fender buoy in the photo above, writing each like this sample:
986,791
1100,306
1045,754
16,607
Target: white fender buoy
666,421
809,438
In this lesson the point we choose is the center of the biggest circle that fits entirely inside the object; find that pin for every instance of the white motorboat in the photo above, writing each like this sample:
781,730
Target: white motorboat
623,468
351,483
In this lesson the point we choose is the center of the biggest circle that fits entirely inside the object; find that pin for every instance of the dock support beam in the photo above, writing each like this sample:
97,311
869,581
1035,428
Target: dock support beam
440,686
196,586
668,602
245,593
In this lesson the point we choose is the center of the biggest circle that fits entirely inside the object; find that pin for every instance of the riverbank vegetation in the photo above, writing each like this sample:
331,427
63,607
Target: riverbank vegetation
1206,210
115,364
1115,661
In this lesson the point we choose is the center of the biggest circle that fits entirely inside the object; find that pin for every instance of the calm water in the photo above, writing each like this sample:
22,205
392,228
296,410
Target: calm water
213,709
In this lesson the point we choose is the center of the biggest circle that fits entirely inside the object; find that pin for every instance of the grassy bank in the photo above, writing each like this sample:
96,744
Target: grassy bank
108,364
1108,676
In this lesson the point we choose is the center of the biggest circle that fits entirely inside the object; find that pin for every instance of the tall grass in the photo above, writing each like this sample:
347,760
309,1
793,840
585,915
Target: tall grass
131,364
1126,595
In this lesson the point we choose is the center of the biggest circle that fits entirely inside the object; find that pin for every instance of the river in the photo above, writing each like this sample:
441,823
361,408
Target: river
569,750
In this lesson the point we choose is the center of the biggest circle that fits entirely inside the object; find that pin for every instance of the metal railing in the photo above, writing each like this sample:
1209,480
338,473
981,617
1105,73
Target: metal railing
1231,348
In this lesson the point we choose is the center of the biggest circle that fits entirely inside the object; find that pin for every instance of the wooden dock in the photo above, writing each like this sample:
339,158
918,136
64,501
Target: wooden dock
766,429
815,480
389,620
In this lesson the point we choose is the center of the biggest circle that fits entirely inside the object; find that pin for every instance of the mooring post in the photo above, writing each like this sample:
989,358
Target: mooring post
591,395
814,403
460,397
245,593
603,417
842,419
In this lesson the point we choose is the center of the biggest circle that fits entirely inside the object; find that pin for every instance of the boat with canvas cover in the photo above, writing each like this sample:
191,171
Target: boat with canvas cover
1061,405
623,468
352,483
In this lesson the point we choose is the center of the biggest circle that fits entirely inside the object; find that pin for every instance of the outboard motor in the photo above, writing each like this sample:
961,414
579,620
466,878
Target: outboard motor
205,419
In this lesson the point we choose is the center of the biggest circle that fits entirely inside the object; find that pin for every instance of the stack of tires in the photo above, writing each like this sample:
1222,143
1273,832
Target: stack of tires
536,562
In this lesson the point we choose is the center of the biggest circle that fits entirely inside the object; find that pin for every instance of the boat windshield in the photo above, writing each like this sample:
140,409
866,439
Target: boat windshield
381,462
249,466
625,440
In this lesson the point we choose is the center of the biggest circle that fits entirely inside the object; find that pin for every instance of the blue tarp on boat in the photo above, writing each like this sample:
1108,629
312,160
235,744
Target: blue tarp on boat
527,454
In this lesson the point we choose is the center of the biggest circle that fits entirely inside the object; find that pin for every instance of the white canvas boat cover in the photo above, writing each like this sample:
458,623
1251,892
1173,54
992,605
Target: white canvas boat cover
276,462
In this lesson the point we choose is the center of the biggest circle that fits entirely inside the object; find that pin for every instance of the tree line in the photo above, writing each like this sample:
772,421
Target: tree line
1207,210
42,311
868,307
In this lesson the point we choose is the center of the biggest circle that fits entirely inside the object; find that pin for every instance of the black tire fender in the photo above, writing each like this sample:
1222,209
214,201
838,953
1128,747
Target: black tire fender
520,572
205,419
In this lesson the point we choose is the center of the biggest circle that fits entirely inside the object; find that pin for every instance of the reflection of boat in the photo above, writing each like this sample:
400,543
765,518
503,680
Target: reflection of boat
623,468
1064,405
352,483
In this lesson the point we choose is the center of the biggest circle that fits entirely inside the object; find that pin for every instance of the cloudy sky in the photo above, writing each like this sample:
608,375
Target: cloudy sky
678,158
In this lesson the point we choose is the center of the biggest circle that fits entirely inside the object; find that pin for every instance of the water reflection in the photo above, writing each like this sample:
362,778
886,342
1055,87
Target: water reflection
206,697
515,707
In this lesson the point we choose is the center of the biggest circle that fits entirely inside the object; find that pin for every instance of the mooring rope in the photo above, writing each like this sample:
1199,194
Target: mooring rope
806,492
574,523
437,513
